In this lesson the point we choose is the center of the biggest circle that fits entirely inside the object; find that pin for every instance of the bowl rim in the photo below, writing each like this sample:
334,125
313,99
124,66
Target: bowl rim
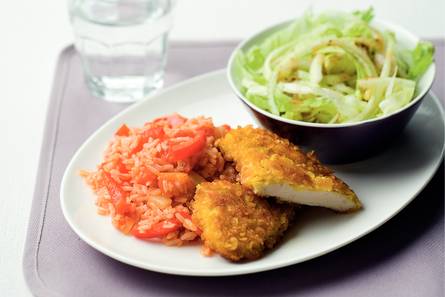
391,26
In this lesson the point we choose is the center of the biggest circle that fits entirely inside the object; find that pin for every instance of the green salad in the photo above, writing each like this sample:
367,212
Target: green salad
331,68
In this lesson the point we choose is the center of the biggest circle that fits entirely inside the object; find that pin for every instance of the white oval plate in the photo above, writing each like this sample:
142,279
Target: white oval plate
385,184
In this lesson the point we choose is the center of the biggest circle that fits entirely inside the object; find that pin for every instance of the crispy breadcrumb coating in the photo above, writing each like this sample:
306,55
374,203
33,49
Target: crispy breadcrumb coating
235,222
272,166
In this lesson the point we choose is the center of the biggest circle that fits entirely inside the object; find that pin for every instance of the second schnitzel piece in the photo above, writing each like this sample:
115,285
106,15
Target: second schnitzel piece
272,166
235,222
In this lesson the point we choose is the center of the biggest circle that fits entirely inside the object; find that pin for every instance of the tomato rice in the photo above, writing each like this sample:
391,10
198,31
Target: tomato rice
149,174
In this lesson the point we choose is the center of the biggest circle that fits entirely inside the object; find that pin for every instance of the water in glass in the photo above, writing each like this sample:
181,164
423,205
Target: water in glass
122,44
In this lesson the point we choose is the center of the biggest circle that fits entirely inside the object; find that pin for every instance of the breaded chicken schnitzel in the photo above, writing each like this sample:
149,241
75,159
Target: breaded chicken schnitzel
235,222
272,166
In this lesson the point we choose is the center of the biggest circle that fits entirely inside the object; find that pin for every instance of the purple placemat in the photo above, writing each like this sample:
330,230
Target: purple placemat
405,257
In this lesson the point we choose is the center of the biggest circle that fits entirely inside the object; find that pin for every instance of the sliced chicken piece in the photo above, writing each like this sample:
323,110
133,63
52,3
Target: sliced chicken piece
272,166
235,222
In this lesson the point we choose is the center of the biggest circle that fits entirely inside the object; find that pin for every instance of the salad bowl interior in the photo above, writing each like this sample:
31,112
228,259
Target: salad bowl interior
337,142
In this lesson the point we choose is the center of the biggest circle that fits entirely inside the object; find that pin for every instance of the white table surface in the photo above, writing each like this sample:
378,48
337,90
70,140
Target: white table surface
32,33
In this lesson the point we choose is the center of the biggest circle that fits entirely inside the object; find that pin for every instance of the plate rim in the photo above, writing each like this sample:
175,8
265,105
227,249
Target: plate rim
217,273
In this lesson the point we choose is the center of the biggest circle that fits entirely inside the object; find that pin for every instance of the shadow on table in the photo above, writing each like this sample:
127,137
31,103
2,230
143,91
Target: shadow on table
356,258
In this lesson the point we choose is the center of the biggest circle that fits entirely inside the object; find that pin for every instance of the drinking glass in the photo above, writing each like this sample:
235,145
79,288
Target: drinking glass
122,45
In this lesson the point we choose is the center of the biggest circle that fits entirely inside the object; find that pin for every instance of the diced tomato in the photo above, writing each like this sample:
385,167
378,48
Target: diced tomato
139,146
122,168
154,132
175,184
123,131
113,188
187,149
184,133
227,127
117,194
123,207
159,229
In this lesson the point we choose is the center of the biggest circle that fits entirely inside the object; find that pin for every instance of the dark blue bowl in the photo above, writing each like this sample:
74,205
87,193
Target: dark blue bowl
338,143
